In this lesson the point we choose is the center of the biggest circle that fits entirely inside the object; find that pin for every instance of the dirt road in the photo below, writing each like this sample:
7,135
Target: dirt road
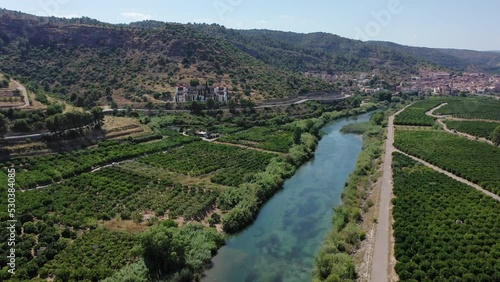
380,266
441,119
21,88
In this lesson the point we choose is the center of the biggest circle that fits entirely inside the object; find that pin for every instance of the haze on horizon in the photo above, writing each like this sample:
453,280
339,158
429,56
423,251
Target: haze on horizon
424,23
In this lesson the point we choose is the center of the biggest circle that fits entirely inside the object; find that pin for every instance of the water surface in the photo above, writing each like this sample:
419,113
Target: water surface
281,244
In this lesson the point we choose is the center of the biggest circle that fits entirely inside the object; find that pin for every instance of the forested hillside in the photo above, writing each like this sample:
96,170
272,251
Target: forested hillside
89,63
321,52
463,60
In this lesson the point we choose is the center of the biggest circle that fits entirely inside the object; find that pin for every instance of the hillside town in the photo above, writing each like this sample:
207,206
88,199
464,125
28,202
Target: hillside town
429,82
444,83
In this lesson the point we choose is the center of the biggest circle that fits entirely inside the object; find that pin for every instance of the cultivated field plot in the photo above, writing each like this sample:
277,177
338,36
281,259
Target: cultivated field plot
476,128
45,170
475,161
114,191
92,257
444,230
229,165
262,137
472,108
415,114
122,127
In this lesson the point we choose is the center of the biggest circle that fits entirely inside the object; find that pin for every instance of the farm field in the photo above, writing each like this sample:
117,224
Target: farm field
474,161
266,138
46,170
444,230
472,108
415,114
111,250
114,192
230,165
123,127
480,129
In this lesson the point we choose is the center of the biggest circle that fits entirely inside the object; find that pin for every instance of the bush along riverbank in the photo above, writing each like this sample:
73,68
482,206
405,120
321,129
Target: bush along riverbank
242,205
335,260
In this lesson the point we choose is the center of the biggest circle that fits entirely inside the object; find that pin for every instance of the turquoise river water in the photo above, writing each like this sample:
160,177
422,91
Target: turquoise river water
281,244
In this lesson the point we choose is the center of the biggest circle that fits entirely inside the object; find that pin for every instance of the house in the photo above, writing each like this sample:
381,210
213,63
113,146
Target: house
185,94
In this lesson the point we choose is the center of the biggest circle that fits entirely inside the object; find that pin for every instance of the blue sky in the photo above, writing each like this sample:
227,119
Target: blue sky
430,23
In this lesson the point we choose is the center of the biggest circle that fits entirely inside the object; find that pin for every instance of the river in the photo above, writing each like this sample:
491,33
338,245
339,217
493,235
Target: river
283,241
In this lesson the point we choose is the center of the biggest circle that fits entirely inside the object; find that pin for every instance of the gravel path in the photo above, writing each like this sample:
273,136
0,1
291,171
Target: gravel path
380,266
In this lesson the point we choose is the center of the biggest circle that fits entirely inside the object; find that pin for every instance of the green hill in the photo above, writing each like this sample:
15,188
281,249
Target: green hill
90,63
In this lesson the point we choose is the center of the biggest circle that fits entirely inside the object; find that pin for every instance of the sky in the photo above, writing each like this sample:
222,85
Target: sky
456,24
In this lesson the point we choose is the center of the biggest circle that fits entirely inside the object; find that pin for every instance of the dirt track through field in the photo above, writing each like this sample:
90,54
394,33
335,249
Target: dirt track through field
441,121
247,147
457,178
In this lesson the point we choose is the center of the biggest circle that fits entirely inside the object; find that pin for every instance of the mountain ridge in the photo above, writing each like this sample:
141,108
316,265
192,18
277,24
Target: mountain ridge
89,62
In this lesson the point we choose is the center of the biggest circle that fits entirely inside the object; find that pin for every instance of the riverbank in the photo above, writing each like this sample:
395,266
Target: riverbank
243,205
347,250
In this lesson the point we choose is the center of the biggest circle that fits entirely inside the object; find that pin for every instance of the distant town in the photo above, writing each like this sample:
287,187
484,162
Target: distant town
428,82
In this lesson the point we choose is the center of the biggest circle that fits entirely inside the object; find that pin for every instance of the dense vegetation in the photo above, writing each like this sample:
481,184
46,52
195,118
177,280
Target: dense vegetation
474,161
110,251
476,128
415,114
316,51
334,263
444,230
267,138
53,119
472,108
232,165
463,60
172,254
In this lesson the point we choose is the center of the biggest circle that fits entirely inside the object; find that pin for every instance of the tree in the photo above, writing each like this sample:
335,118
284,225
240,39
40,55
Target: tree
97,114
210,104
150,106
296,135
194,82
196,108
495,136
163,250
232,106
3,125
377,118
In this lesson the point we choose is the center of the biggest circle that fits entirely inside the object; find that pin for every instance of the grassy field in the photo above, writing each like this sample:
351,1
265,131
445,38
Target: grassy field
124,127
